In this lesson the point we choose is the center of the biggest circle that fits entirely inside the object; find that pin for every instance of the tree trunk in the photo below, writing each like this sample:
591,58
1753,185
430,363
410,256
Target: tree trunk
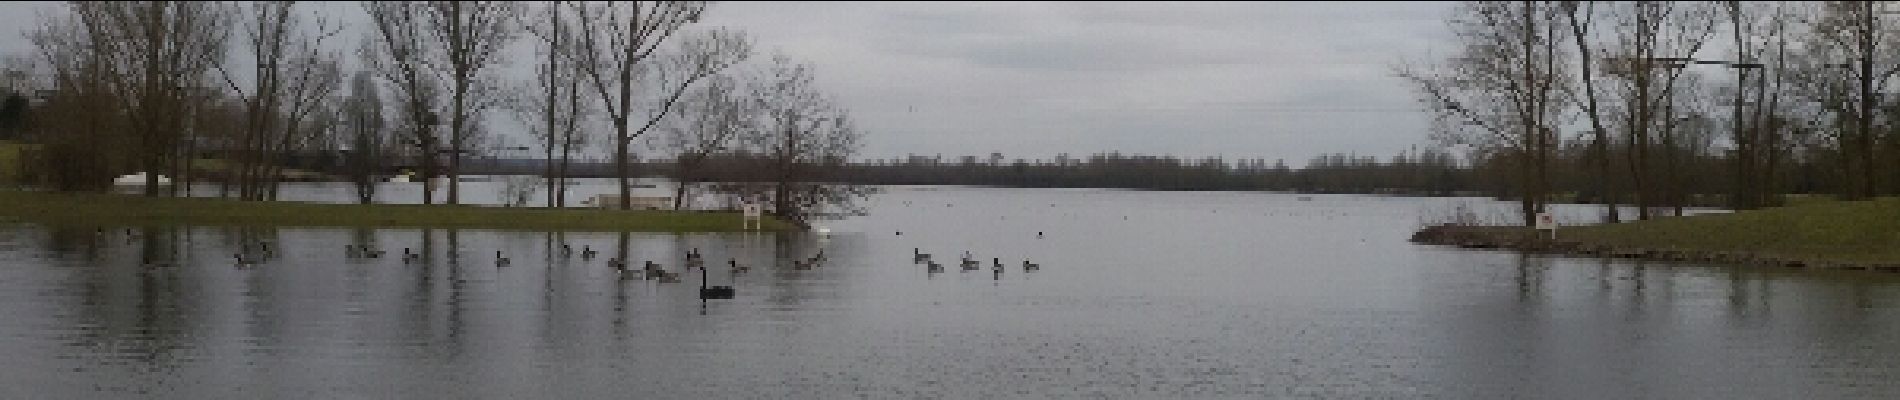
621,169
1600,143
455,147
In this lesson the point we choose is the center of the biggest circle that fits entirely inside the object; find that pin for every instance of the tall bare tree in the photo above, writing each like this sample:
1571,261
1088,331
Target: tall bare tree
398,50
554,112
1582,17
471,35
617,48
1503,93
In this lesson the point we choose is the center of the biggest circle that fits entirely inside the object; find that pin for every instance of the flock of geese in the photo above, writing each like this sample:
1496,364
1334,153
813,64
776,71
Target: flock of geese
968,263
648,269
251,254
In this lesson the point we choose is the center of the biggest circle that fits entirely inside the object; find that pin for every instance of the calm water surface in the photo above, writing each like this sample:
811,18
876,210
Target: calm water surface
1141,295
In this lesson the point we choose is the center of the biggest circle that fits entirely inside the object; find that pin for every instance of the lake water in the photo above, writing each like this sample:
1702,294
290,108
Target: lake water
1140,295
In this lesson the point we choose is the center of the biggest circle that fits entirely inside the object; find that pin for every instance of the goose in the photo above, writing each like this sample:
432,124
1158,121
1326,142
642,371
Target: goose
566,250
712,292
933,266
500,260
996,264
736,268
917,255
653,270
1027,266
409,257
668,277
1038,234
587,252
375,254
617,265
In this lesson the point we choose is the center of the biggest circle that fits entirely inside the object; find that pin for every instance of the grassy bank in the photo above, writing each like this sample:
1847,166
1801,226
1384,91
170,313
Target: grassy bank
1851,231
11,168
125,210
1846,234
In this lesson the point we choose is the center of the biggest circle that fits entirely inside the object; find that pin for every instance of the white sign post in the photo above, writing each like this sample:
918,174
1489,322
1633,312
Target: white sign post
752,214
1547,223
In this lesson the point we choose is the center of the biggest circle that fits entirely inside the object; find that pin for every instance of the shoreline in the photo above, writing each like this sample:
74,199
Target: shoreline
1528,240
102,209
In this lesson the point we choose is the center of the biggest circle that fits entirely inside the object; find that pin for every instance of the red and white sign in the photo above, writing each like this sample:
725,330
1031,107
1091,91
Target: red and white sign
1545,222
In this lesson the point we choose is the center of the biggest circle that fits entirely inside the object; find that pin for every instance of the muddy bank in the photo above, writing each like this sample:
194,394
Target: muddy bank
1531,241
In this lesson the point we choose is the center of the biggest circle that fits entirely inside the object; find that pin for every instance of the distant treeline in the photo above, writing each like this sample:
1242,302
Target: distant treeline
1421,172
1702,180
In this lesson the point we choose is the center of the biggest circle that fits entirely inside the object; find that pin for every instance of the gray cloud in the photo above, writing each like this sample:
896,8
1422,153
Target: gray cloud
1273,80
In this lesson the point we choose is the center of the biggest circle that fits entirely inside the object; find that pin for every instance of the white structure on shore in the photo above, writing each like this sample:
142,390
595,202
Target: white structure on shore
139,179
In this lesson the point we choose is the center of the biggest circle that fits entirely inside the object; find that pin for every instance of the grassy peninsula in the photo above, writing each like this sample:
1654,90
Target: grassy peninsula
1845,234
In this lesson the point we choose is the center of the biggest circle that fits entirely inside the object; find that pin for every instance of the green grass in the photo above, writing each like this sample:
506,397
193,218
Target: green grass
11,171
129,210
1849,231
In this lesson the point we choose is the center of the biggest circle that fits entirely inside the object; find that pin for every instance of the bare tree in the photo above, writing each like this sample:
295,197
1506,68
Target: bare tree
149,53
555,113
717,113
1851,41
81,129
1582,17
618,44
1504,92
472,34
1762,33
398,50
804,138
293,77
1649,48
364,123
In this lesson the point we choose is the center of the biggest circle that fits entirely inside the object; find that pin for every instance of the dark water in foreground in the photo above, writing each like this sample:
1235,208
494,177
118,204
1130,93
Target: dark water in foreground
1141,295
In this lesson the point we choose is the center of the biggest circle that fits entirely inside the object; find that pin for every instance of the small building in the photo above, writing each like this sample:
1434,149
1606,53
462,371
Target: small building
611,201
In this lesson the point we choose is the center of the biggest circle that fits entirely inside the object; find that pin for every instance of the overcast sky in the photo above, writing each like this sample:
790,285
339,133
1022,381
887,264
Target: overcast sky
1030,80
